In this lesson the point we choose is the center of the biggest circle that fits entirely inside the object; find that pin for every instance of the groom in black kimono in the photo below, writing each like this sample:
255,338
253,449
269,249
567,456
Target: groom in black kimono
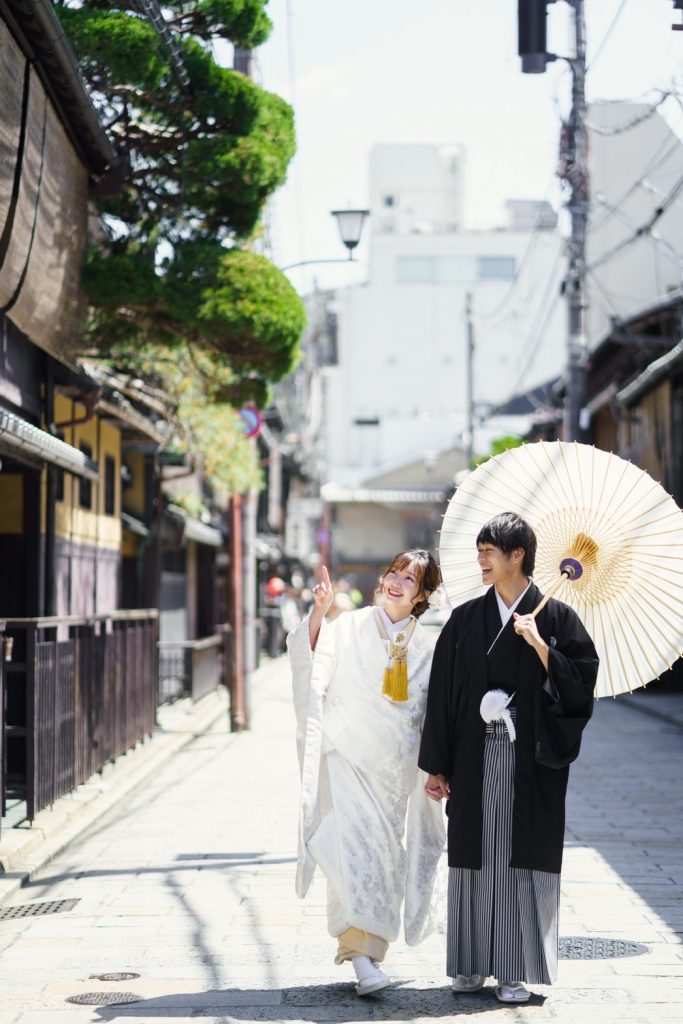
505,778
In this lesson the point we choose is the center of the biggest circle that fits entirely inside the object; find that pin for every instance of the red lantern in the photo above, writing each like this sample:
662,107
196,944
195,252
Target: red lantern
275,586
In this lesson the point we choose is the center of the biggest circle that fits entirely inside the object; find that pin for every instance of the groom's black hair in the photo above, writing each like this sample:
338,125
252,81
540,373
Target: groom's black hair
508,531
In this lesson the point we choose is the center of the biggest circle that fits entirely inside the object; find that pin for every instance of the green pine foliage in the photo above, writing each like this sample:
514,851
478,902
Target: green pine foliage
177,296
498,446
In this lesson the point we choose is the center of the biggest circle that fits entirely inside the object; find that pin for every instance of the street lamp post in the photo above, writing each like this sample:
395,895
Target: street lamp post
350,224
243,532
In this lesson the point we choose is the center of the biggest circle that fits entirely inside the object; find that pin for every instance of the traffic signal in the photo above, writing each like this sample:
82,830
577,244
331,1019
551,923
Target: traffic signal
678,6
533,47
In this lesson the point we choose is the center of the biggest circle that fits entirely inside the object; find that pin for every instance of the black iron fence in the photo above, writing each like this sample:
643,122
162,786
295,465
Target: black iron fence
193,668
79,692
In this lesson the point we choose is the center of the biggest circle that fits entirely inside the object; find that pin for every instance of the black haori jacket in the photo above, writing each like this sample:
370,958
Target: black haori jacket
558,703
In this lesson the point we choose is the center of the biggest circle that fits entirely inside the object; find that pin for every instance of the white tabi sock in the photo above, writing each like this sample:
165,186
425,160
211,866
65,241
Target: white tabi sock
364,967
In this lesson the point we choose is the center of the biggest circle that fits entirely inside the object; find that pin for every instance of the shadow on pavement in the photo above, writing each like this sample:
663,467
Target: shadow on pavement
625,802
315,1003
206,864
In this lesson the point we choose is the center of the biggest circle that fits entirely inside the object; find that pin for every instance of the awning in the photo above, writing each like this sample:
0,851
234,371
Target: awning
651,376
134,525
120,409
180,528
601,399
202,533
19,437
334,494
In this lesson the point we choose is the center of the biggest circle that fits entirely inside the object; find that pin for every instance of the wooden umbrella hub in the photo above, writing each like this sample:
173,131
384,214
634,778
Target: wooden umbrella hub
582,554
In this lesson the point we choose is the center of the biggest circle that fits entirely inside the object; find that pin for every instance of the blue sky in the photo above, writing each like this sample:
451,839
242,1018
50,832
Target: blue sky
368,71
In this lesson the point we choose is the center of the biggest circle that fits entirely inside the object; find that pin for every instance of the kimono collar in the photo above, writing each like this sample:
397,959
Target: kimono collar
483,608
505,612
395,681
392,627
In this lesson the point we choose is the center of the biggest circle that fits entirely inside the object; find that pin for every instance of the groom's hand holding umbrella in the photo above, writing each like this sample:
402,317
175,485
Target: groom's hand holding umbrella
525,626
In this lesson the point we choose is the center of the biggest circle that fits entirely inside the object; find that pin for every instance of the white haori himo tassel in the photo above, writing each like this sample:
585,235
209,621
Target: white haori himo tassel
494,708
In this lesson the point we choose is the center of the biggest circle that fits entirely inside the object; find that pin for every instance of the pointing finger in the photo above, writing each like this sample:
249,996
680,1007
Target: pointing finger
326,577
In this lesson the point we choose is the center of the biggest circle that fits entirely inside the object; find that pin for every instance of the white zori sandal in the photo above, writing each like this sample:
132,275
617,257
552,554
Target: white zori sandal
512,992
370,978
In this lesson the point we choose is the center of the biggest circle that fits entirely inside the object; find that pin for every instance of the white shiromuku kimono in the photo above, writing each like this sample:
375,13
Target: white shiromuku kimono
364,817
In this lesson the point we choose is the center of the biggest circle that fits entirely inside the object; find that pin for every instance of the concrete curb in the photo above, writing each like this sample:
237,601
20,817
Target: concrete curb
23,851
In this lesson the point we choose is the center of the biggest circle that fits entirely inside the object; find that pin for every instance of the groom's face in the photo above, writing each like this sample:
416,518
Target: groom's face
497,567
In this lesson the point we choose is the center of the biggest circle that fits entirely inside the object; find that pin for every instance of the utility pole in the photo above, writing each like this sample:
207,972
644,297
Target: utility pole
470,379
576,176
574,173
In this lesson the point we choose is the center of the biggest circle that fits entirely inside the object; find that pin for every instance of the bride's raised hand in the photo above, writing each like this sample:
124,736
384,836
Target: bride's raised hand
323,594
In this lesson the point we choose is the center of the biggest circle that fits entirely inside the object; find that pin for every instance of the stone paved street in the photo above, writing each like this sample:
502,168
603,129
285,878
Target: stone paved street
190,886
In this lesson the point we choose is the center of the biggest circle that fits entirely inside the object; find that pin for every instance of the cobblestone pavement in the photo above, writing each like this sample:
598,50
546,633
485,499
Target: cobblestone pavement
189,886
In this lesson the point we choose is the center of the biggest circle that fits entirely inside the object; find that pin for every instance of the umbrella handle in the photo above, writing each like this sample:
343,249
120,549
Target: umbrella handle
549,593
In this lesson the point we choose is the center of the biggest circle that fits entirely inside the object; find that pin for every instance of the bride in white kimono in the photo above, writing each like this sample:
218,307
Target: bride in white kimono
365,818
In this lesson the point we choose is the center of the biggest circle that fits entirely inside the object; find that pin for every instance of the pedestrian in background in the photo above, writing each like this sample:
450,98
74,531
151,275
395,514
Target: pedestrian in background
509,697
360,690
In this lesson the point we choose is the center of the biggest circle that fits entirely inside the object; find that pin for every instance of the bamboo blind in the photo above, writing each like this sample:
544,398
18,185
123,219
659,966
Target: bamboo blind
46,232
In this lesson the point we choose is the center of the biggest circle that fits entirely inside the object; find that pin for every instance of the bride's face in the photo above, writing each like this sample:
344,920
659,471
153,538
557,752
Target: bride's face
401,589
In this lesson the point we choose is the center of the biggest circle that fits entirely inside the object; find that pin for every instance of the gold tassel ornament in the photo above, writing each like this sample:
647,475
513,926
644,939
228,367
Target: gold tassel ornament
395,681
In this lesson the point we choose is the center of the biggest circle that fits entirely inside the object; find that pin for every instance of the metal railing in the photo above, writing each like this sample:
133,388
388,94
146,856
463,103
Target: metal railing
193,668
82,691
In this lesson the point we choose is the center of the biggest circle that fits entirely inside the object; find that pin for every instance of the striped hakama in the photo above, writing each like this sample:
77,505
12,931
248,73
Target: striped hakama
502,921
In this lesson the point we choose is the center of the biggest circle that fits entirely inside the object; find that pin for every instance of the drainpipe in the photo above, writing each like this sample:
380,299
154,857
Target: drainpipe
50,595
89,400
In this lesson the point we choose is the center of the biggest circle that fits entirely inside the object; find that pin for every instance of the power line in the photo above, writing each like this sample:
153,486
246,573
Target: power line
659,244
537,332
644,229
655,163
494,314
295,174
614,315
634,122
607,34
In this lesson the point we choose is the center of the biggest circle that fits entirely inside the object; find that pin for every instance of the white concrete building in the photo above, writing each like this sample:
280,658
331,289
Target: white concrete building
635,165
395,395
399,391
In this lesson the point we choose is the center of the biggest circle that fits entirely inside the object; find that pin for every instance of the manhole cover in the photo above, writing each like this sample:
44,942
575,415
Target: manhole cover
580,947
103,998
37,909
114,976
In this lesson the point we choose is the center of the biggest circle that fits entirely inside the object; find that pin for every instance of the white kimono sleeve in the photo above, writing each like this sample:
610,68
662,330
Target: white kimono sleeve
425,898
311,675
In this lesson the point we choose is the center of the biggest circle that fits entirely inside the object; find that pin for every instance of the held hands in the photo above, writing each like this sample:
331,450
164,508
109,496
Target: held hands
437,787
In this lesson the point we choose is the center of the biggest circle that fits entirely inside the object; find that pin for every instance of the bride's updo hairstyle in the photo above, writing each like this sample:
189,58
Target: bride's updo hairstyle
426,570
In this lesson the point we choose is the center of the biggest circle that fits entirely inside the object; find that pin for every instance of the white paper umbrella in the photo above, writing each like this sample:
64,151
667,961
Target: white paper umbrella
628,592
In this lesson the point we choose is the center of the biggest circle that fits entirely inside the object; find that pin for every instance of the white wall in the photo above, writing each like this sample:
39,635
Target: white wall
402,345
633,165
416,188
